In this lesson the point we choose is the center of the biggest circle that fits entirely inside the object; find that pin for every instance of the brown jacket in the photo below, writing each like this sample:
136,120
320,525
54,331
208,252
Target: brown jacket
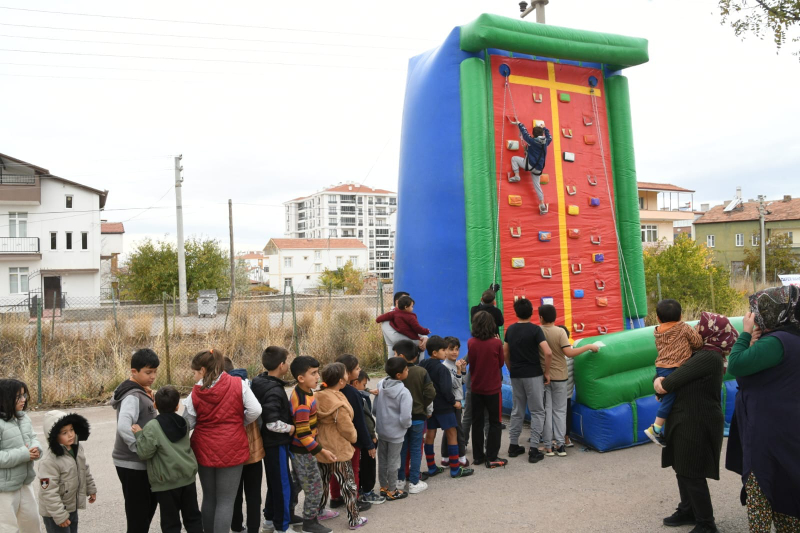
256,444
335,425
675,343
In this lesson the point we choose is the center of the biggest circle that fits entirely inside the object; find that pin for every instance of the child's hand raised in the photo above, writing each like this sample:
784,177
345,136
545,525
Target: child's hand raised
136,428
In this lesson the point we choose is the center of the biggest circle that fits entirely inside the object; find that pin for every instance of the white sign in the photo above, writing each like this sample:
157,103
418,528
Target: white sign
790,279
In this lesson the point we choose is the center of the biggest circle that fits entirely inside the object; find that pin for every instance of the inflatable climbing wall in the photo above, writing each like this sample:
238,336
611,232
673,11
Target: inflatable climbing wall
462,226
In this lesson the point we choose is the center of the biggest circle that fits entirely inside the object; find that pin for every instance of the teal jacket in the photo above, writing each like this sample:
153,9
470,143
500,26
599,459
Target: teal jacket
164,443
16,439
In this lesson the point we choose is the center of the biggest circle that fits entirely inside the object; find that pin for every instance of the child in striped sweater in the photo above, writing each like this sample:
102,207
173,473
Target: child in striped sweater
305,446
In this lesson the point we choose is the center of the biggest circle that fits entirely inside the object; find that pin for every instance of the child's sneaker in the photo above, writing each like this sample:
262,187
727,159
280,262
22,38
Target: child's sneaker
515,449
267,526
336,503
497,463
327,514
568,442
435,471
463,472
396,495
313,526
363,506
549,452
401,484
535,455
361,522
561,451
417,488
512,178
445,462
656,436
372,498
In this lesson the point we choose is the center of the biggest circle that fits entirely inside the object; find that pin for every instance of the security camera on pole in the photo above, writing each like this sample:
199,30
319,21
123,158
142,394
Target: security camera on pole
183,303
538,5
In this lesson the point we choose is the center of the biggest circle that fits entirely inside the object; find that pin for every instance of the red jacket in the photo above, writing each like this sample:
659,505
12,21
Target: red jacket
219,439
404,323
486,362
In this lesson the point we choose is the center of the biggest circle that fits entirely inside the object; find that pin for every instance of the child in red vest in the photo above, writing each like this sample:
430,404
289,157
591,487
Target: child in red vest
218,409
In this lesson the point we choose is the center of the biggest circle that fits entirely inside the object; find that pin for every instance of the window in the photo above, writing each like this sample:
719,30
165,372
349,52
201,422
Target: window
317,255
18,225
361,234
317,267
68,201
54,240
641,202
287,262
287,282
305,258
710,240
339,261
354,260
740,239
18,280
754,239
332,198
332,233
392,201
332,210
649,233
332,221
69,240
308,277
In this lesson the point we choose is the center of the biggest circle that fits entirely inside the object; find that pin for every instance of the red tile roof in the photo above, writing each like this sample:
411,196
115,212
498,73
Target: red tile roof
251,256
112,227
779,210
666,187
306,244
354,187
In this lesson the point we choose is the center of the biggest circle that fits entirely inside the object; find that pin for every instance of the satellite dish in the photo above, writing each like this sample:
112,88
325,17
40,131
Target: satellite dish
733,205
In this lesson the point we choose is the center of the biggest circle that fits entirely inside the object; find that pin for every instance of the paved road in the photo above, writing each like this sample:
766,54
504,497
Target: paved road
622,491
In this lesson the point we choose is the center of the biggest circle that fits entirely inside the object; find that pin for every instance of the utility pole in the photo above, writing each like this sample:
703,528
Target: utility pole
537,5
184,304
762,213
233,260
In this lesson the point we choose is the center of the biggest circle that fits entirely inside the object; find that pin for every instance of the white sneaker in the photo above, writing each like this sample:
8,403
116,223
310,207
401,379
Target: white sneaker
419,487
401,484
267,526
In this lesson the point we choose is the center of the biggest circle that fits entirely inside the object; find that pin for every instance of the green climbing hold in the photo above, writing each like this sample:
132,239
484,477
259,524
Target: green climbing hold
564,97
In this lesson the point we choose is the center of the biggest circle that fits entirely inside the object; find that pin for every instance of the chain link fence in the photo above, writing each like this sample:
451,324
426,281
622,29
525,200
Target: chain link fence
78,350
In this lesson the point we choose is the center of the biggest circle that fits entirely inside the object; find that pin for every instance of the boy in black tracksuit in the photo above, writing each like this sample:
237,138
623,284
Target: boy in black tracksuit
276,432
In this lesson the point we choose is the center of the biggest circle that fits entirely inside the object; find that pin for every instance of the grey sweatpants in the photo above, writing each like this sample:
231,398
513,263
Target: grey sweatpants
388,463
555,419
219,492
518,162
527,392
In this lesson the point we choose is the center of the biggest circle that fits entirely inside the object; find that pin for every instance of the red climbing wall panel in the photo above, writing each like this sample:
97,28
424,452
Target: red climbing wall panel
574,126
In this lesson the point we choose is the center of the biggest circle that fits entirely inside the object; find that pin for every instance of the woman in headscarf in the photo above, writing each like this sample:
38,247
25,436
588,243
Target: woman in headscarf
763,445
694,428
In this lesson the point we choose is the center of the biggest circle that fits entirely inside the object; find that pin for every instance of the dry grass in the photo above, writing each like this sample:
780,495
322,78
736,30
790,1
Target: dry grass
86,363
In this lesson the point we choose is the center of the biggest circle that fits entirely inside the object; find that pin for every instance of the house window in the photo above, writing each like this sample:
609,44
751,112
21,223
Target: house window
361,234
649,233
308,277
354,260
287,282
740,239
54,240
317,255
287,262
641,202
754,239
710,241
69,240
84,240
339,261
68,201
18,225
332,233
305,258
18,280
317,267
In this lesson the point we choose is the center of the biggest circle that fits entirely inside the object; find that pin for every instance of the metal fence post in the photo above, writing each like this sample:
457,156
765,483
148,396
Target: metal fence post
380,297
39,304
711,284
166,338
294,326
658,282
283,308
174,308
114,306
53,319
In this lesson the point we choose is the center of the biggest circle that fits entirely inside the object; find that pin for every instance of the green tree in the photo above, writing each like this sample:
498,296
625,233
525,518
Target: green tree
687,272
779,256
776,19
347,278
152,268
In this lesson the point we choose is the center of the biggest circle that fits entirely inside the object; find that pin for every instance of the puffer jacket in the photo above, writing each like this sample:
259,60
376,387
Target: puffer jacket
337,433
64,481
16,439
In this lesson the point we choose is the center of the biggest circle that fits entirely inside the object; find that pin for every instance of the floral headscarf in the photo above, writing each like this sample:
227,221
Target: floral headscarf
717,332
775,308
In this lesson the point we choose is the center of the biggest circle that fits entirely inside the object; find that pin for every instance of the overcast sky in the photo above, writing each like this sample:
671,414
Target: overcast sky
268,101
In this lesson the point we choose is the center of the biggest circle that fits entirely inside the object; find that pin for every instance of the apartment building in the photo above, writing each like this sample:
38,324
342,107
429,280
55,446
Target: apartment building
665,211
299,262
348,211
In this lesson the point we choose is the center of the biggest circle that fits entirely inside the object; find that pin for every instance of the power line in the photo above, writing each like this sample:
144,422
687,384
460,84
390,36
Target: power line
220,24
152,206
208,37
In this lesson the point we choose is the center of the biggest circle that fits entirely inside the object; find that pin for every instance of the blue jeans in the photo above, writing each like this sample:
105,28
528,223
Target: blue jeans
668,399
412,445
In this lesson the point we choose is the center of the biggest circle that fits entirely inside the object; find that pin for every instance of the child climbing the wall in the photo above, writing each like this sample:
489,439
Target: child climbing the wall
675,342
534,160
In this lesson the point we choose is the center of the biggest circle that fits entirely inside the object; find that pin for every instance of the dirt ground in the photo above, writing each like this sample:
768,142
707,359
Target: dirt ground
621,491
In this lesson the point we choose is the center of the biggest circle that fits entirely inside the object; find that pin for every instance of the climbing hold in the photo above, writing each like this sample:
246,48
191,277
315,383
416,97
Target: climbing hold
538,122
537,97
587,120
595,239
517,262
602,330
515,200
574,233
576,268
545,236
592,81
547,300
592,180
512,145
594,202
598,258
519,293
572,190
505,70
564,97
573,210
579,327
600,285
516,231
547,273
589,139
602,301
567,132
577,293
544,179
569,156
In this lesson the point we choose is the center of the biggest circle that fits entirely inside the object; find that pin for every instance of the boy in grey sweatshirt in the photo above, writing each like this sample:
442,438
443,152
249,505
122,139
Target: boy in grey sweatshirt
393,406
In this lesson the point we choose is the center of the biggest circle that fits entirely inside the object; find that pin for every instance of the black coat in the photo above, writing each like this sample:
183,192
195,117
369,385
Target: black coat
496,313
275,406
695,426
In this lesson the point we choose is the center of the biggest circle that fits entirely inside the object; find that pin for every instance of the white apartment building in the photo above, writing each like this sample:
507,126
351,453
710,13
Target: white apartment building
257,265
348,210
50,237
299,262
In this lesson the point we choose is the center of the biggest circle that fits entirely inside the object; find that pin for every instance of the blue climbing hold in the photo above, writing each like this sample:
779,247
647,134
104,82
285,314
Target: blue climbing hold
592,81
505,70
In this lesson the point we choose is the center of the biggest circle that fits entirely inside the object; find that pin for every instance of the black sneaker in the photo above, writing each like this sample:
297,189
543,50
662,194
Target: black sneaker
363,506
463,472
534,456
423,476
478,462
561,451
502,427
435,472
705,528
496,463
295,520
680,518
515,449
336,503
313,526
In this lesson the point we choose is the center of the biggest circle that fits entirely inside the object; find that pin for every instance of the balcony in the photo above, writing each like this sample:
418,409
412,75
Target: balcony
19,245
17,179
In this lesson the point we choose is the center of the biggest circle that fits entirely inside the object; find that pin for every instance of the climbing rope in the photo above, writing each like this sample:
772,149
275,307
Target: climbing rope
611,201
501,170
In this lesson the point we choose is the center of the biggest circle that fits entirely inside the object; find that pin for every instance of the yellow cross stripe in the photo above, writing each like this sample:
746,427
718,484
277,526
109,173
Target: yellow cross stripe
553,84
562,217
